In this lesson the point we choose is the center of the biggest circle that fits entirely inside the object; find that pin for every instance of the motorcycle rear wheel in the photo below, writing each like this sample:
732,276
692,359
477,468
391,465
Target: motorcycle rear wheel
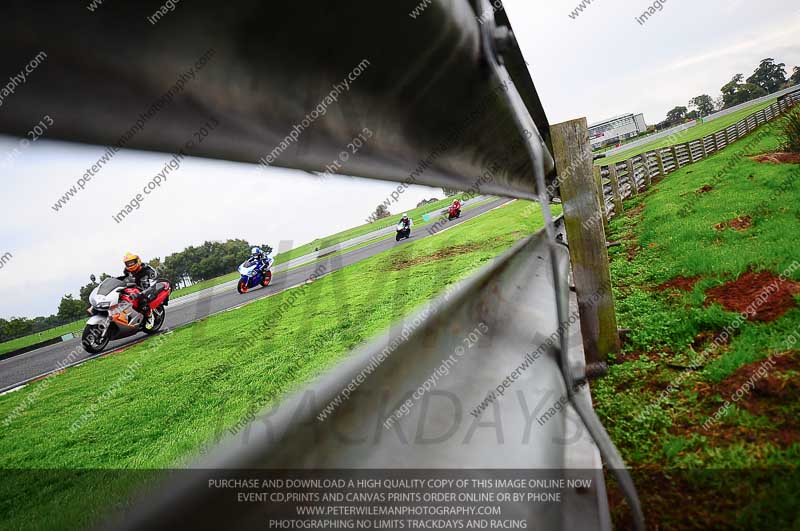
90,341
267,279
157,316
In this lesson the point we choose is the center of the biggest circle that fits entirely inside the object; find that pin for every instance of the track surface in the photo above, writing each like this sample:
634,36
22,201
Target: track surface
38,363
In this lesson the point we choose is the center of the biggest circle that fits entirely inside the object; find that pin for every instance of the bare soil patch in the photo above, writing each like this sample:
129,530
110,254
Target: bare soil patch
744,294
403,262
778,383
705,189
679,283
778,158
742,223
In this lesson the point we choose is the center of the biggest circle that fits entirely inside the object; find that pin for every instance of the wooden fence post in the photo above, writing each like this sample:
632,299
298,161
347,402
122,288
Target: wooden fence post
661,170
612,175
632,178
601,195
587,244
675,157
648,179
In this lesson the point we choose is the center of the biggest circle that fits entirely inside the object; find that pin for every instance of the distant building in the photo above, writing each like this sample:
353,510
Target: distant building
616,129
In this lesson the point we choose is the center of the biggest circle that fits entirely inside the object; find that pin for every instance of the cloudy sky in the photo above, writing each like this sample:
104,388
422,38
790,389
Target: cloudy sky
600,64
604,63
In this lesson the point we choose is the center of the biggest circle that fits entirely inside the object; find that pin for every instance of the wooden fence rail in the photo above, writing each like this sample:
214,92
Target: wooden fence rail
627,178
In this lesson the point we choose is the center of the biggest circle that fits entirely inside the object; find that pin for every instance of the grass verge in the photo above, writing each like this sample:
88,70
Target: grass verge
44,335
699,463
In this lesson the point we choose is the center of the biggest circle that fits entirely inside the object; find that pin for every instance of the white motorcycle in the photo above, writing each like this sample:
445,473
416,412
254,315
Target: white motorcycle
117,312
403,231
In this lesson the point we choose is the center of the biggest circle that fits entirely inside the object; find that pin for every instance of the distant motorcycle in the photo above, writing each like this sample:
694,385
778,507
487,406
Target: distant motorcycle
254,275
453,212
403,231
116,312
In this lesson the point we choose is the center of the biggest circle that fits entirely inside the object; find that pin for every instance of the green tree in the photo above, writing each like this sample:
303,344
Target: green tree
795,79
382,212
70,309
676,115
735,92
769,75
703,104
15,327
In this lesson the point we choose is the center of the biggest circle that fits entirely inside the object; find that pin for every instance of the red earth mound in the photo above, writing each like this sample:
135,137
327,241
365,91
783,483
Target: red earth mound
774,382
764,296
778,158
741,223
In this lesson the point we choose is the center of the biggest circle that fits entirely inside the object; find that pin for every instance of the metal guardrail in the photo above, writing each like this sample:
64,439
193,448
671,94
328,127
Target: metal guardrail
260,83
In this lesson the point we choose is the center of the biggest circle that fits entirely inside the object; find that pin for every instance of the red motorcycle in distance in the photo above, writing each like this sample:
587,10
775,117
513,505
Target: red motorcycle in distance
454,211
117,312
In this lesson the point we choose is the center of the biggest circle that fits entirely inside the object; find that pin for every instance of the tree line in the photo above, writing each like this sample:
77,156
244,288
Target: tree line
192,265
767,78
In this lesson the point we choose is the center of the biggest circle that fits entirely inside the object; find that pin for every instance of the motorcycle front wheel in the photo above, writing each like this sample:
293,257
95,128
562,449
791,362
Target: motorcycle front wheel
93,340
242,287
155,321
267,279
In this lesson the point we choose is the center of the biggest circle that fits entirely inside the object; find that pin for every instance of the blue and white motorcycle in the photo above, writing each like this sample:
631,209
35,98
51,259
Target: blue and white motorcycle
254,273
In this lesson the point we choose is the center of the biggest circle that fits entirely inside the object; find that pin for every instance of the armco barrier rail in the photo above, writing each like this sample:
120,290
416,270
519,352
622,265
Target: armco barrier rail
450,103
629,177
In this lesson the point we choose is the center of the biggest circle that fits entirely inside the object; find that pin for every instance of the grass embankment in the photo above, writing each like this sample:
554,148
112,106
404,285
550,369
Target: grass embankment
181,389
339,237
44,335
676,289
687,135
308,248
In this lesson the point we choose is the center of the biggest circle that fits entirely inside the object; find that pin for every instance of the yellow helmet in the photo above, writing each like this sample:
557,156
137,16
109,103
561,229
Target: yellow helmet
132,262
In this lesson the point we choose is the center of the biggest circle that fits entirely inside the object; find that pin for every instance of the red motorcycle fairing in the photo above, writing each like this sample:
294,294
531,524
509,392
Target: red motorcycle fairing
130,295
162,296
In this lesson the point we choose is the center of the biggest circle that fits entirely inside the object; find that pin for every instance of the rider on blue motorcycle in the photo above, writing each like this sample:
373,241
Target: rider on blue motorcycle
257,255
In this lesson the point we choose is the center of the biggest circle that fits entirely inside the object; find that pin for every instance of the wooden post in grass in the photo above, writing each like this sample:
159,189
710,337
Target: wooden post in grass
648,179
661,170
632,178
587,244
675,157
612,176
601,195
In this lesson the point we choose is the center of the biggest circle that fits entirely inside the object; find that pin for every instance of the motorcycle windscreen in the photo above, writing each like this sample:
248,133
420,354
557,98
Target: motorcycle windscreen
357,88
109,285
